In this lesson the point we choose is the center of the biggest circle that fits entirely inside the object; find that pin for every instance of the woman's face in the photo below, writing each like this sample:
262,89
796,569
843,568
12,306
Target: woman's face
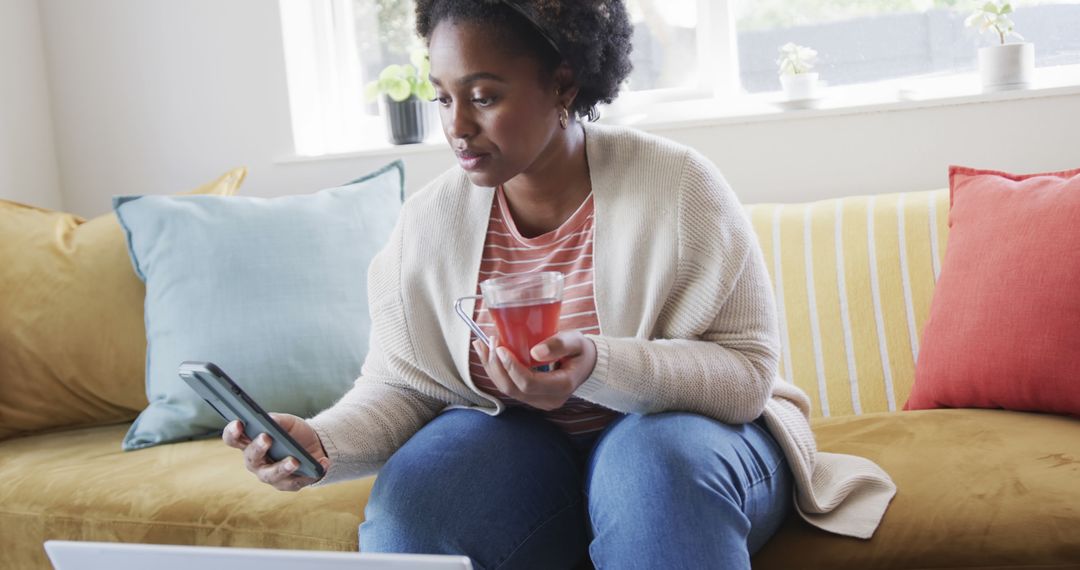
498,113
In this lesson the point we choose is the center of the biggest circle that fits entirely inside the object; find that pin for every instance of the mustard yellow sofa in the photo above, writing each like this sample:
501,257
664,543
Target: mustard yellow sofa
853,277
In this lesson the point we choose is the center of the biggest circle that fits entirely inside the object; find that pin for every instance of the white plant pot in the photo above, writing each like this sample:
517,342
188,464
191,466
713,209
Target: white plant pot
800,86
1008,66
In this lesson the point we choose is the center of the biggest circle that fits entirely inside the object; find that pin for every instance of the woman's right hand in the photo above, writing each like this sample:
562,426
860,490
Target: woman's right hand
280,474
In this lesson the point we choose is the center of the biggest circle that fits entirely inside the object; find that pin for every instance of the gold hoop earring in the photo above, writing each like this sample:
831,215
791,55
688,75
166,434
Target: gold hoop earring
564,118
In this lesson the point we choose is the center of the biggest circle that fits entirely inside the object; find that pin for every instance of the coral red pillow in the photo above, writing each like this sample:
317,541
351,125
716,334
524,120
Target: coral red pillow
1004,326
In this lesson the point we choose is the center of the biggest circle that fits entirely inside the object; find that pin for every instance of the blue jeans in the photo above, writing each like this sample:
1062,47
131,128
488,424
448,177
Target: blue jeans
671,490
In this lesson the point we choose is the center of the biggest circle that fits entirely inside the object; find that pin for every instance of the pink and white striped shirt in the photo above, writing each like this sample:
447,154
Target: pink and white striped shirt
569,250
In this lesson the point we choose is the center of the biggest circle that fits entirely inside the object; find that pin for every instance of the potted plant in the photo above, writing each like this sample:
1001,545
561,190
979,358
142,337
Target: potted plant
404,94
1005,65
796,76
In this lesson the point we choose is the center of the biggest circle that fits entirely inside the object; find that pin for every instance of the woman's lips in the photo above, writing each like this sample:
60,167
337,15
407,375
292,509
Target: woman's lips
471,160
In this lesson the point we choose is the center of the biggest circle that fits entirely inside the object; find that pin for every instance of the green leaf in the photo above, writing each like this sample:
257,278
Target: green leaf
417,57
1006,9
392,72
990,8
371,92
398,90
425,91
409,71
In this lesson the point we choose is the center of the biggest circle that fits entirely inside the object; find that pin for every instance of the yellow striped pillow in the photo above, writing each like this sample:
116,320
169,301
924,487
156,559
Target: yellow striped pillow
853,278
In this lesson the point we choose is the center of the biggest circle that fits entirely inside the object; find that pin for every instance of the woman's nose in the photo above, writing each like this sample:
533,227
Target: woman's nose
458,122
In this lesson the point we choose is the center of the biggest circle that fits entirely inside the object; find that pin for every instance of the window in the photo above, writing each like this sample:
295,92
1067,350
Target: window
665,55
385,34
859,41
665,40
665,52
683,49
323,72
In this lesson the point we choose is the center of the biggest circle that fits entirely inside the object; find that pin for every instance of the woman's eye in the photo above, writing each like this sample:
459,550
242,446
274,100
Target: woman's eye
483,101
444,101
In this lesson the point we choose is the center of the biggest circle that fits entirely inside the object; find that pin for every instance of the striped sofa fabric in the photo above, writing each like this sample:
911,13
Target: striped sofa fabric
853,279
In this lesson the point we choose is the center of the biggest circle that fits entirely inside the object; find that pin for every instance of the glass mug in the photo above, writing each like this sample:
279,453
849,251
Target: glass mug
525,309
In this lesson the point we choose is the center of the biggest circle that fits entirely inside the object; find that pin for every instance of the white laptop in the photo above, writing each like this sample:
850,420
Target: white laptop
68,555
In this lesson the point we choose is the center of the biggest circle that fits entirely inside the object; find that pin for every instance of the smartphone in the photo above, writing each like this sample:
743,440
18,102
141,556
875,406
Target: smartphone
229,400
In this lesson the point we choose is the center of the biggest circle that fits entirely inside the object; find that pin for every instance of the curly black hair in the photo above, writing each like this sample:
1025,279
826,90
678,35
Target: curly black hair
592,36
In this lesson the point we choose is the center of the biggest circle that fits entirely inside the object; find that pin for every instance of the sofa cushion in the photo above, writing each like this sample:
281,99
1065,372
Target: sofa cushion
1004,327
72,340
273,290
79,485
976,489
853,279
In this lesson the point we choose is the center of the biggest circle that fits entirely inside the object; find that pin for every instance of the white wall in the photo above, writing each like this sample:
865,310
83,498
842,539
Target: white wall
159,96
156,96
28,169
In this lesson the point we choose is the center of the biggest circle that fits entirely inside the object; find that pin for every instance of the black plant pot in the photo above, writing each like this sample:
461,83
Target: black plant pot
407,121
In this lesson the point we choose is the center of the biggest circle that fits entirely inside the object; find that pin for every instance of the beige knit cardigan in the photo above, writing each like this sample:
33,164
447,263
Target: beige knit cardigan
686,311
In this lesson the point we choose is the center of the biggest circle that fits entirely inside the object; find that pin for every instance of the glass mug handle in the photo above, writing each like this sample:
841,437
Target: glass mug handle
480,333
468,320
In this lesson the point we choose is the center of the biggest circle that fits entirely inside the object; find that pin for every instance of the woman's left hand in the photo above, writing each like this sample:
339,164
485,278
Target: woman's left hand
575,353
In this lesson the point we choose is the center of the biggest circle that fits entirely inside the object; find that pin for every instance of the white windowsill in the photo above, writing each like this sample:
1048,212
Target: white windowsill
888,96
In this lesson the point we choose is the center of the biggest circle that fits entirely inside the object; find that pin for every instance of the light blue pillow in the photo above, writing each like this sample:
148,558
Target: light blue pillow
273,290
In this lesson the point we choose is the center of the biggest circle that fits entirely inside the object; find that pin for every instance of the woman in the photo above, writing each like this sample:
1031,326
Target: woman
664,438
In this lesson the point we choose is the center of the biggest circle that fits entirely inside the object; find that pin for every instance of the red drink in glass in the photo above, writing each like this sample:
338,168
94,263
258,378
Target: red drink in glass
525,309
525,324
